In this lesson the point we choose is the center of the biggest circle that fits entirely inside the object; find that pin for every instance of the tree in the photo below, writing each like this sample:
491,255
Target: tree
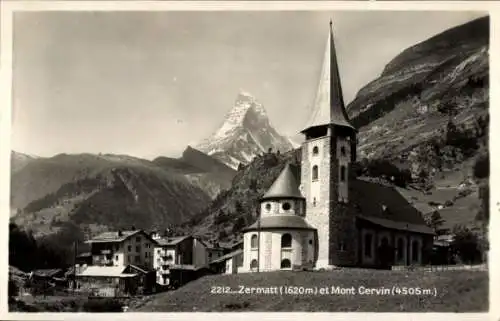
436,221
238,207
238,224
466,244
482,167
253,184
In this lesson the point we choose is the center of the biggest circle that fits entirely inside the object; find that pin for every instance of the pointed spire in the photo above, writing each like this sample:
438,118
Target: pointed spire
285,186
329,107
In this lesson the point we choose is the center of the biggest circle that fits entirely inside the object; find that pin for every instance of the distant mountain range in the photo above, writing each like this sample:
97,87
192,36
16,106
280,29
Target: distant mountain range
101,191
245,133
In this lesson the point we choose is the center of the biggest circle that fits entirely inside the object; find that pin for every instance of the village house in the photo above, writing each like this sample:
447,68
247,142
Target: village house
122,248
228,263
115,281
326,217
179,253
229,257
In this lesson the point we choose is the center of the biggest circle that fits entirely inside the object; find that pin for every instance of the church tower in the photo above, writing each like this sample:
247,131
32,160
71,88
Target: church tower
328,152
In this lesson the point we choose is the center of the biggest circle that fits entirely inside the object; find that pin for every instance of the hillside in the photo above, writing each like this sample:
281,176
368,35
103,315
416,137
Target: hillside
99,191
200,169
469,293
424,121
406,111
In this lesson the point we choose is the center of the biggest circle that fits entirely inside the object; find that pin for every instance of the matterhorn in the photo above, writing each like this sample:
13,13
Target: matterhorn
245,133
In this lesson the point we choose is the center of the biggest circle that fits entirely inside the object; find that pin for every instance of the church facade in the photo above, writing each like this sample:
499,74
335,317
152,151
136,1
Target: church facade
332,218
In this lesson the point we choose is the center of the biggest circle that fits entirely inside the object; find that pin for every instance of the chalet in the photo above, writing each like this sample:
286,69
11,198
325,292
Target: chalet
123,248
215,251
115,281
180,253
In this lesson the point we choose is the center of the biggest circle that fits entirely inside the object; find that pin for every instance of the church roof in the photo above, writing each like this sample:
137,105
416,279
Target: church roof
285,186
291,222
329,105
383,205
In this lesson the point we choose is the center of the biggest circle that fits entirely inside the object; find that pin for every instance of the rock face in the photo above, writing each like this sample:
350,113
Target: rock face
419,91
245,133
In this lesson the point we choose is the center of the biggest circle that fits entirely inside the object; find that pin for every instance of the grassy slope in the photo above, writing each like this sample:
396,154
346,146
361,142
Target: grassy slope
457,291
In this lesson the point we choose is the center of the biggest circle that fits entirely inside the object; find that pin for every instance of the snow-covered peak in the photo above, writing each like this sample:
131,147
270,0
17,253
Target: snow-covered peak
244,133
245,103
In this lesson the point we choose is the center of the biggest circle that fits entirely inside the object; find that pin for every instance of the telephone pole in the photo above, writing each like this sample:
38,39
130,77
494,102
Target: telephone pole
258,240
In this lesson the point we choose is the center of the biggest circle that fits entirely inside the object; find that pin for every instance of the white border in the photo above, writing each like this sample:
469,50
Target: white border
8,7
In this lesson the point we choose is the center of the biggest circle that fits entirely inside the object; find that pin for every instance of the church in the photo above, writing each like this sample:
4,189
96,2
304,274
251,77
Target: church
327,217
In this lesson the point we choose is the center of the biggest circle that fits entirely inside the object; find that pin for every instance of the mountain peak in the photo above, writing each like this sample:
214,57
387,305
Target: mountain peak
245,133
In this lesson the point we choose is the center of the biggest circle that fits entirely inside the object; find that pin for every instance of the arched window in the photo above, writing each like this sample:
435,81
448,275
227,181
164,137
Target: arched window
342,173
286,206
254,264
315,150
368,245
414,251
253,242
315,173
314,201
401,248
268,207
286,241
285,264
342,151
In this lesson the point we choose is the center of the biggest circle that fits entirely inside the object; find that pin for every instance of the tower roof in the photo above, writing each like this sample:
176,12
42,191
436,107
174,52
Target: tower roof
329,105
285,186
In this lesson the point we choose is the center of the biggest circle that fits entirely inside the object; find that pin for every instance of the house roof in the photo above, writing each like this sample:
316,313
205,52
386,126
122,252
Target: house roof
227,256
47,272
285,186
117,236
329,107
113,236
280,222
105,271
165,241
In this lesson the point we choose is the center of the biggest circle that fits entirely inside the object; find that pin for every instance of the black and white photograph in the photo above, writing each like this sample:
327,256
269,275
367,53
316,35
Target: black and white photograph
248,161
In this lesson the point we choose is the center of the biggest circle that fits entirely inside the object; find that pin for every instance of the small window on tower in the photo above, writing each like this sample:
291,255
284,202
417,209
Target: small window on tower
315,150
342,150
314,201
268,207
286,206
315,173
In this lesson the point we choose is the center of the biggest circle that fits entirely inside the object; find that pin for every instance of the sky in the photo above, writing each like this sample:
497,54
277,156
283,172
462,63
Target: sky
147,84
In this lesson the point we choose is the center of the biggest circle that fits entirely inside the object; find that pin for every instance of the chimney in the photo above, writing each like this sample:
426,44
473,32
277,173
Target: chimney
120,233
